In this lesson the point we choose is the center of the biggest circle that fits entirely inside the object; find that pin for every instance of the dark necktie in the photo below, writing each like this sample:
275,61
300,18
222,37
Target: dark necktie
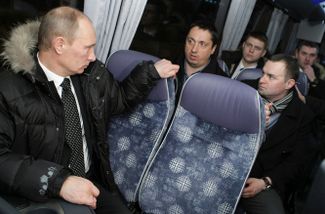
73,133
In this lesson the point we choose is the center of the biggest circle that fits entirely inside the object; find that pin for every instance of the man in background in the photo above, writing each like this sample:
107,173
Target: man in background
306,54
253,50
199,53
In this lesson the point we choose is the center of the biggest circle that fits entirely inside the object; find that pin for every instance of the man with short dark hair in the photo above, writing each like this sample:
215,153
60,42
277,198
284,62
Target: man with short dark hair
55,102
253,50
286,152
199,53
306,54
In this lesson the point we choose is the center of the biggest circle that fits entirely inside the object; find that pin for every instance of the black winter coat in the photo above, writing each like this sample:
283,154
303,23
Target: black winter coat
32,126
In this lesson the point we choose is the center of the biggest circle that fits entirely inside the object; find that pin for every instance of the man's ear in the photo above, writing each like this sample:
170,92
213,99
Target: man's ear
213,49
296,53
290,83
58,44
242,46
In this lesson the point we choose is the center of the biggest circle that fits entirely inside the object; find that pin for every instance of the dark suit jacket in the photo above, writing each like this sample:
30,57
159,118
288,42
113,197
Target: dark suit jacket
287,151
317,106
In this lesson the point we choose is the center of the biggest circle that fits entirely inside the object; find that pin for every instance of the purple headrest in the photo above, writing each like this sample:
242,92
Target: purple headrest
121,63
223,101
250,74
256,73
302,83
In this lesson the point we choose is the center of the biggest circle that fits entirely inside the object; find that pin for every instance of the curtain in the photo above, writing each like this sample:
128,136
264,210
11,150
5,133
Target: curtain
292,41
237,19
115,22
275,28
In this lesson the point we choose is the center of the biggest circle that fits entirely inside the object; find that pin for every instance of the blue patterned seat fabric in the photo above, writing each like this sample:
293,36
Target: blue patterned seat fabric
134,136
206,156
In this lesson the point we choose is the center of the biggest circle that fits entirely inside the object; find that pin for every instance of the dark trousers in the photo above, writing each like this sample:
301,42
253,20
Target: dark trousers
110,202
265,202
107,201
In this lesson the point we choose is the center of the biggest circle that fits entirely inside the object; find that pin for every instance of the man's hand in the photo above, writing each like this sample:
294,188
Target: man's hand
79,190
253,187
309,71
267,113
166,69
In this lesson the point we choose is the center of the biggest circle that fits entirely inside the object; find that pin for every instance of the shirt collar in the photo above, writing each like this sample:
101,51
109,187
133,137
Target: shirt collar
241,65
51,76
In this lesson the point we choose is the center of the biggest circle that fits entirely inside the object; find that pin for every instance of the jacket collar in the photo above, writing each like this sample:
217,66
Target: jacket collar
287,124
19,48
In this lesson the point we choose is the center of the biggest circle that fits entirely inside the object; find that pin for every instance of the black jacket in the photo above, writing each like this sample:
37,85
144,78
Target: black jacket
32,163
317,106
287,152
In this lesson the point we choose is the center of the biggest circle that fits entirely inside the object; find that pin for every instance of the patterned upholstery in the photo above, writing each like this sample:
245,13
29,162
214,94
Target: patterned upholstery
255,73
133,137
206,156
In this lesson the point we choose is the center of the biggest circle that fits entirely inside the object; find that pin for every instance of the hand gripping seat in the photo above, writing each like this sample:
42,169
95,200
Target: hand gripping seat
133,137
208,151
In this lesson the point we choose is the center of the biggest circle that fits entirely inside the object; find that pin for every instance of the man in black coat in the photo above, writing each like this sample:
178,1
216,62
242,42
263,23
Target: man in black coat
36,158
286,152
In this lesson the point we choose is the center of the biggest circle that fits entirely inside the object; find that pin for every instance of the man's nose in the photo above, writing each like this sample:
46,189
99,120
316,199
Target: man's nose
92,56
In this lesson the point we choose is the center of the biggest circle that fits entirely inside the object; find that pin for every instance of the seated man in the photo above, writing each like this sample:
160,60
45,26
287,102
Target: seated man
55,101
200,45
253,50
306,54
285,154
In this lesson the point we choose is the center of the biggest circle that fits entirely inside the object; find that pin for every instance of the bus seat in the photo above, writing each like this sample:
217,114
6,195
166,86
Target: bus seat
133,137
302,83
256,73
208,151
17,205
250,74
315,200
7,208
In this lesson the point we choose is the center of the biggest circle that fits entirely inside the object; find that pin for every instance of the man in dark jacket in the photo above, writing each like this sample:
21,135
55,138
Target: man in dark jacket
251,55
36,157
200,45
306,54
286,152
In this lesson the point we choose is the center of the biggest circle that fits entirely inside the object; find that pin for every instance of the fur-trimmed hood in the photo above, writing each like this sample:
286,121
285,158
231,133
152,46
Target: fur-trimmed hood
19,48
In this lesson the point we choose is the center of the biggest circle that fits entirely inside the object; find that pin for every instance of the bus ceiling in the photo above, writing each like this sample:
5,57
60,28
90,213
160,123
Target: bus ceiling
312,10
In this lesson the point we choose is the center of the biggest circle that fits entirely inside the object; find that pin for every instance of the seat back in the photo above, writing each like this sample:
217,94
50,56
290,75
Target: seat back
134,136
250,74
209,149
302,83
256,73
